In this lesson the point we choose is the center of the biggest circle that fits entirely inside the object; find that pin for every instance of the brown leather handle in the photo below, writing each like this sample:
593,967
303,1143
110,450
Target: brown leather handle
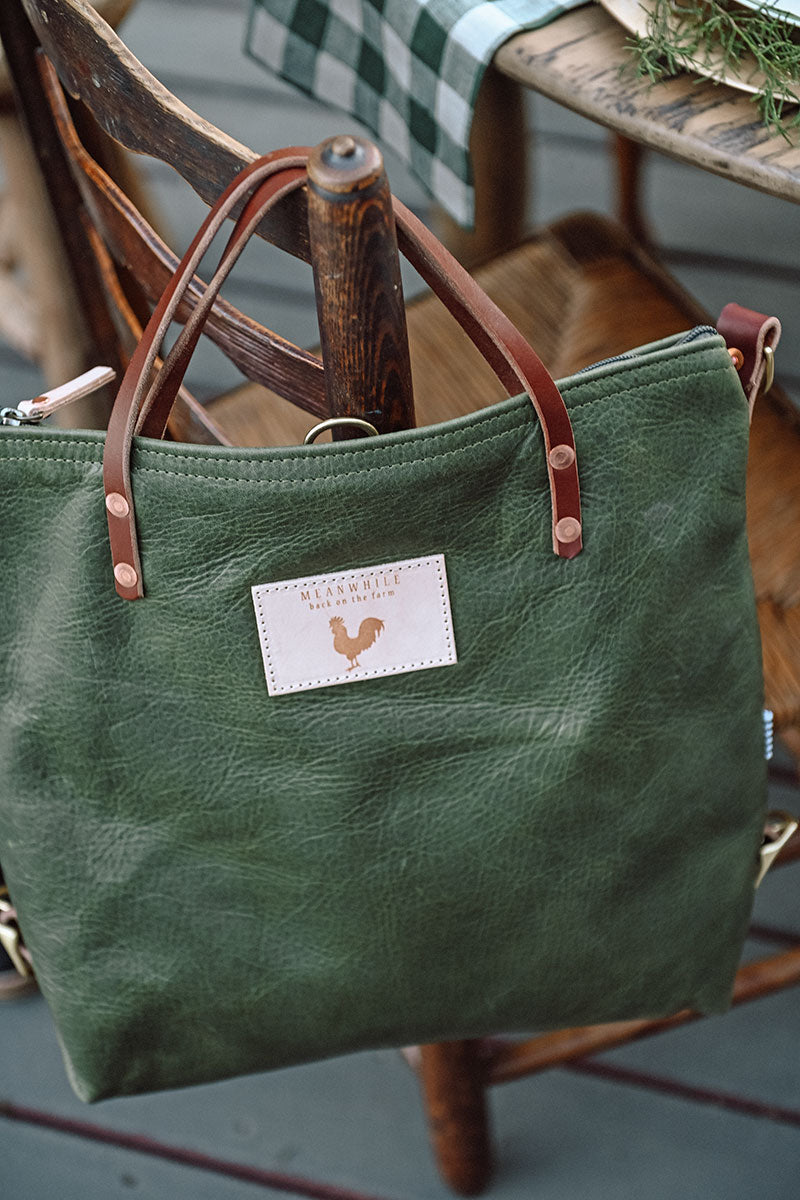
144,404
155,405
136,395
513,360
515,363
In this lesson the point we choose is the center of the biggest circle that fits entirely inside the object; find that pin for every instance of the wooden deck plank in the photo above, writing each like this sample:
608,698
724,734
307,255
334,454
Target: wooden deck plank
40,1163
356,1124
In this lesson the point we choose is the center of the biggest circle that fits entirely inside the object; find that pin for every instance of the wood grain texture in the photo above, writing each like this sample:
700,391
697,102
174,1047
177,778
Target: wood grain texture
578,60
262,356
135,109
111,11
358,286
773,512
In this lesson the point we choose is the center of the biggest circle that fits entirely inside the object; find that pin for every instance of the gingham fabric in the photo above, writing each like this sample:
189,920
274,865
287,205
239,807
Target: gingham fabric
407,69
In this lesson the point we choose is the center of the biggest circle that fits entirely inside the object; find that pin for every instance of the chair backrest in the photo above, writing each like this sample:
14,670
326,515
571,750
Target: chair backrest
341,222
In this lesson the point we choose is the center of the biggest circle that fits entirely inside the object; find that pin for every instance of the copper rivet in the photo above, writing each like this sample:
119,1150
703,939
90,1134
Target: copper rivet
561,457
125,575
117,505
737,356
344,146
568,529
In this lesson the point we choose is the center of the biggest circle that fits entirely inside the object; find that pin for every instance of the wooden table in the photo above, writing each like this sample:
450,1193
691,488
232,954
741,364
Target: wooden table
577,60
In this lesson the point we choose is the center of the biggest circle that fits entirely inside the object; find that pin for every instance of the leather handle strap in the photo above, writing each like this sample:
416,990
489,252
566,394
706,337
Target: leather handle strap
156,406
513,360
144,403
136,384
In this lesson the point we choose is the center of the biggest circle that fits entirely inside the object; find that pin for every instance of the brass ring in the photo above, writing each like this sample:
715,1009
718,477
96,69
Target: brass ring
336,423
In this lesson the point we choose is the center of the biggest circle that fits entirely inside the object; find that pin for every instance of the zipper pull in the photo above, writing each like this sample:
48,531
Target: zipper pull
11,938
31,412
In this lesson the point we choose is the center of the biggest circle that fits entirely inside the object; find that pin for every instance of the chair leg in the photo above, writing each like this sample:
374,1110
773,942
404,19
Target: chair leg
455,1101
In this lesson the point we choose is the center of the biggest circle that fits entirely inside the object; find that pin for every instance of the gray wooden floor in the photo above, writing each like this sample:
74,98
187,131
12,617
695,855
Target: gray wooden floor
709,1112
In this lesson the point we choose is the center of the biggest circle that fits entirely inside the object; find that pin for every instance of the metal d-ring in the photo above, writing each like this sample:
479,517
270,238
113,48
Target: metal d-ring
769,372
337,423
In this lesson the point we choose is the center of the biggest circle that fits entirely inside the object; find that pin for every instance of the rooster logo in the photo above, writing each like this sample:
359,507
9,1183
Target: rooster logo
368,630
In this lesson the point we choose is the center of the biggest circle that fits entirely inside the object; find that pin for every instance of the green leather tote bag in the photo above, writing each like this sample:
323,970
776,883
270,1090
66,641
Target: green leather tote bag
281,778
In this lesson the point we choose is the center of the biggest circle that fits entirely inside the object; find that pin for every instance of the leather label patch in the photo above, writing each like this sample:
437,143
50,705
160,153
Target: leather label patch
352,625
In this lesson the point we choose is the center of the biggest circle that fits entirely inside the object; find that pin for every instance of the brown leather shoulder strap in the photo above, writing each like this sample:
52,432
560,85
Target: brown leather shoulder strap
756,336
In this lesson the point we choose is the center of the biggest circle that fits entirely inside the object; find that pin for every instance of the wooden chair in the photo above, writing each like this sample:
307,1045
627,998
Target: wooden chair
580,290
37,305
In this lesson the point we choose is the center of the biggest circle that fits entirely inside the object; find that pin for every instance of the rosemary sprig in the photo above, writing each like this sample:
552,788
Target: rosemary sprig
706,31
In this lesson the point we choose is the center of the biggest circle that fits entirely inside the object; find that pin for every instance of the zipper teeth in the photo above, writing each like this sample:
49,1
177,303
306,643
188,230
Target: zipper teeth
699,331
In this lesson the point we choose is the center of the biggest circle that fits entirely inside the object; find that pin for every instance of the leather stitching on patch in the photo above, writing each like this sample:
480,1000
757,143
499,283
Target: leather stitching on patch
326,622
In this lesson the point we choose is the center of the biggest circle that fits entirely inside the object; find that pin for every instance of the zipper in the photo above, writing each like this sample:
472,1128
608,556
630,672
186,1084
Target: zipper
694,335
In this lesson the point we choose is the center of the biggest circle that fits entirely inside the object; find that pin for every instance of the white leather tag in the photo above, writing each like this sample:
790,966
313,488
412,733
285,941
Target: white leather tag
353,625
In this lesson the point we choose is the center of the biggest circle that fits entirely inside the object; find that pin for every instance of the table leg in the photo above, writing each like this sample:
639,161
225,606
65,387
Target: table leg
499,158
629,159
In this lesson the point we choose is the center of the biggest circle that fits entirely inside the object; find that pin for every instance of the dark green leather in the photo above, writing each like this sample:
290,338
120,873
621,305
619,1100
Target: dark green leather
563,827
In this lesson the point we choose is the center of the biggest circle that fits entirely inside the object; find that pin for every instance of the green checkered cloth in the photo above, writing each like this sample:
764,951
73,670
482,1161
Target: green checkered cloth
407,69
